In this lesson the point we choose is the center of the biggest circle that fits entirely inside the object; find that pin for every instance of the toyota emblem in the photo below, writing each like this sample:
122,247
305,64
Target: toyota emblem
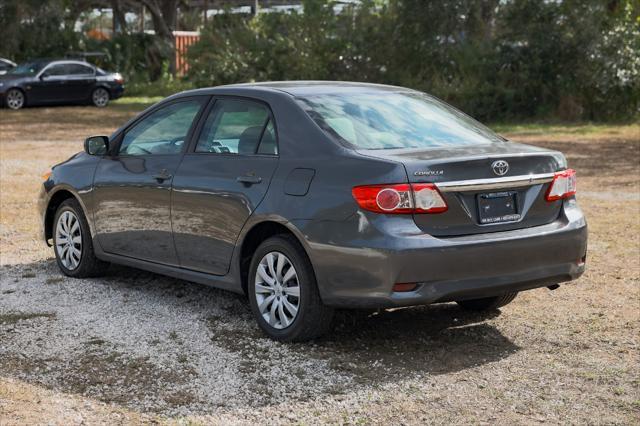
500,167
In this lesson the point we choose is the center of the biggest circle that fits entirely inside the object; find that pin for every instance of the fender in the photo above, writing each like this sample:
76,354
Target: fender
75,194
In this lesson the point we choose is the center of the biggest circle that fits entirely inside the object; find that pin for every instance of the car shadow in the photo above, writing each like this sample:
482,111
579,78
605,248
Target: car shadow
406,342
370,346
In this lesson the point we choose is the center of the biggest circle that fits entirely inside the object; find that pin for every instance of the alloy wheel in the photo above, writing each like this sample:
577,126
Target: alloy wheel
100,97
69,240
15,99
277,290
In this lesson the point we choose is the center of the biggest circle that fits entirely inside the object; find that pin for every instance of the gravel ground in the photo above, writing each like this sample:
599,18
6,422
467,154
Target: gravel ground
135,347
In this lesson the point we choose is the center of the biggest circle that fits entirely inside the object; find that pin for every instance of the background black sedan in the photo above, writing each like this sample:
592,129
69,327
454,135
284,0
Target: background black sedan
57,82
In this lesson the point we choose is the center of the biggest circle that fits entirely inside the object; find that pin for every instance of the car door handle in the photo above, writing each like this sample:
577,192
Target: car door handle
162,176
249,180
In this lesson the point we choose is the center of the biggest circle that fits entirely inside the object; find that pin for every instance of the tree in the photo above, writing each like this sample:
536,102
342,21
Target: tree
163,14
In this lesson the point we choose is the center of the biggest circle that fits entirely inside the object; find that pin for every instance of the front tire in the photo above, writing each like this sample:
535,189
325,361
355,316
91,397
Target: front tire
72,243
487,303
15,99
100,97
283,292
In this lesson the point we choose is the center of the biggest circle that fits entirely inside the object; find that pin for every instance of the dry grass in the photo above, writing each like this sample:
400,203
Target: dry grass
569,356
31,141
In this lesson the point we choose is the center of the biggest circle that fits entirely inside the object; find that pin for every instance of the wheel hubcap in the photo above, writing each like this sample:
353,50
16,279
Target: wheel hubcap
69,240
15,99
100,97
277,290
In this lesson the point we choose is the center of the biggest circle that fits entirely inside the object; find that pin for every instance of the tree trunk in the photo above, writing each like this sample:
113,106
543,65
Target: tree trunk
164,14
119,21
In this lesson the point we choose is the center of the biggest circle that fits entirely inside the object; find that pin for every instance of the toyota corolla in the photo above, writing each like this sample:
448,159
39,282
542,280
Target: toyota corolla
311,196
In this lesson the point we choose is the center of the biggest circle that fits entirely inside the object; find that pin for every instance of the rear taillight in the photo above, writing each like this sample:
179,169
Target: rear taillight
117,77
562,186
400,199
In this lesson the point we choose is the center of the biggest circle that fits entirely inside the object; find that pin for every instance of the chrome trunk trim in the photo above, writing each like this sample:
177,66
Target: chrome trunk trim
494,183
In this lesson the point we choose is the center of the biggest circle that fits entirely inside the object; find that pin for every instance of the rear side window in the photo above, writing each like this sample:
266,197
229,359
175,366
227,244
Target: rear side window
56,70
238,127
78,69
268,144
163,131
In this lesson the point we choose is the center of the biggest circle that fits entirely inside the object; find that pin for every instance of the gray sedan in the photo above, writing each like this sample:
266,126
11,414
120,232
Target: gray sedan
311,196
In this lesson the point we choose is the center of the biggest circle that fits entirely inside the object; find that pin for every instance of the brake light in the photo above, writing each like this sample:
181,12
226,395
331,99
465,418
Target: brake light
404,287
562,186
400,199
117,77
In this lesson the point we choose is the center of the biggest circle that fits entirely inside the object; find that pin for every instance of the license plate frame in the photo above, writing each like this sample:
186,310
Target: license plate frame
498,207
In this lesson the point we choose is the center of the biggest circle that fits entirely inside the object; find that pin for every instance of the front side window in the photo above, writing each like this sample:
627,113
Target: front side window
162,132
56,70
238,127
394,120
28,68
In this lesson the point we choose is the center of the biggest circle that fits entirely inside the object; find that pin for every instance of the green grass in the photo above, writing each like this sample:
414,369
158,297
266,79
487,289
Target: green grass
128,100
134,103
542,128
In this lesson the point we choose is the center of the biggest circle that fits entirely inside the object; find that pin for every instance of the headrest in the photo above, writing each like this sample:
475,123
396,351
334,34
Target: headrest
249,140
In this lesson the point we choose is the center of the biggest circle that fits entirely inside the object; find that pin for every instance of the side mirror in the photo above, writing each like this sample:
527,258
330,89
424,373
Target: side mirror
96,145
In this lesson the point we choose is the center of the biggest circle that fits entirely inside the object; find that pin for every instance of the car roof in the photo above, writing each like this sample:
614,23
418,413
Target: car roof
48,61
306,88
70,61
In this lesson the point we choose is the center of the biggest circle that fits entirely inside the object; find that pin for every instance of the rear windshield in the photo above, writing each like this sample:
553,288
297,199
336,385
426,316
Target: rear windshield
394,120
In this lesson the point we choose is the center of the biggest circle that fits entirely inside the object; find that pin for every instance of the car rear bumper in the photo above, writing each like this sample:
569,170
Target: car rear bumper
116,91
357,262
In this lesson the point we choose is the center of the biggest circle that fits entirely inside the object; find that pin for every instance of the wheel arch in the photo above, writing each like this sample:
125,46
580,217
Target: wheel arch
258,233
55,200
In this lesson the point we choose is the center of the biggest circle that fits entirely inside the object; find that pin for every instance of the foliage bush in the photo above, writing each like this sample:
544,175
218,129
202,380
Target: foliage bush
571,59
45,33
495,59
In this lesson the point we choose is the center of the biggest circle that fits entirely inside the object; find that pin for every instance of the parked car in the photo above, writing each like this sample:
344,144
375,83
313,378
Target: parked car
59,82
309,196
6,65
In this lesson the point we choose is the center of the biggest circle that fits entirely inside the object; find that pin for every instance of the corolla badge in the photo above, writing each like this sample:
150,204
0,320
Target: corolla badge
500,167
429,173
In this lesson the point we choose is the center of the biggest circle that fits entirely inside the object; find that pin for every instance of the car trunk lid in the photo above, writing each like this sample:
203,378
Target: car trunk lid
487,188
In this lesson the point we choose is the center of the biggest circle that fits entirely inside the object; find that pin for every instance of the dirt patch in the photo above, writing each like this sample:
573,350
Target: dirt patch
102,376
15,317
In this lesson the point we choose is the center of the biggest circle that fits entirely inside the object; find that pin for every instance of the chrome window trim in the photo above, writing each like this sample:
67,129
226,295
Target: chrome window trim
495,183
64,62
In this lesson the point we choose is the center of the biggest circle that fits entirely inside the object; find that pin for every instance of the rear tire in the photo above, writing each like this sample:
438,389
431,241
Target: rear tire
72,243
284,294
100,97
487,303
